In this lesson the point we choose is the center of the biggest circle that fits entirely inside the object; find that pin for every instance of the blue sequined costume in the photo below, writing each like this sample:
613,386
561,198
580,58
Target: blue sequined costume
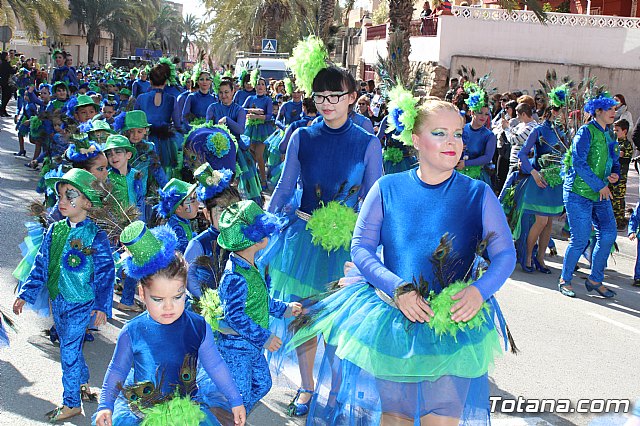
80,257
198,276
182,228
247,307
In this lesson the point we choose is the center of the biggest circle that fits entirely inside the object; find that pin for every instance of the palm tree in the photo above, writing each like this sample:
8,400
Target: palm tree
167,30
133,23
31,12
325,18
190,30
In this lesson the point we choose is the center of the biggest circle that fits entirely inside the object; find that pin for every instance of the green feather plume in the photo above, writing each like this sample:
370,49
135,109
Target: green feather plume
552,175
172,67
217,79
34,124
477,98
228,74
307,59
392,154
474,172
253,122
241,76
178,410
211,308
255,76
402,113
442,303
209,125
332,226
195,72
288,86
198,121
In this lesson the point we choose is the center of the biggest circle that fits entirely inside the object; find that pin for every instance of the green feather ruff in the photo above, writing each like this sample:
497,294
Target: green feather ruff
404,103
308,58
172,67
332,226
211,308
34,124
288,86
210,125
254,77
552,175
392,154
474,172
198,121
477,98
176,411
217,79
442,303
254,122
558,96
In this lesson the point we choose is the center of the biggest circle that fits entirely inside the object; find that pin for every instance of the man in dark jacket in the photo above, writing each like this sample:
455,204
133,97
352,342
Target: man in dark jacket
6,71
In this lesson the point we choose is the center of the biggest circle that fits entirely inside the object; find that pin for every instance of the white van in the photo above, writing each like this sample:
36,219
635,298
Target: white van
272,67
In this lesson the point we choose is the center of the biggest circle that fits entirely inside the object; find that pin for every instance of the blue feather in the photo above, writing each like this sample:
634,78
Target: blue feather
168,200
264,225
160,260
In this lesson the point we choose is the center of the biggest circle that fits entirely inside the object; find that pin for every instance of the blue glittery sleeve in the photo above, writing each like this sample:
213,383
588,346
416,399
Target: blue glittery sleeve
233,295
579,153
214,365
117,372
182,237
287,183
194,273
39,271
104,275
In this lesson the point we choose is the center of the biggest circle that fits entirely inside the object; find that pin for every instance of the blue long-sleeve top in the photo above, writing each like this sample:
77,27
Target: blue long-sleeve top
236,117
130,190
242,95
198,276
356,163
480,145
64,73
33,98
180,100
161,116
147,163
173,90
303,122
580,167
289,112
157,351
357,118
543,140
196,104
94,276
263,102
139,87
182,228
634,222
235,297
393,216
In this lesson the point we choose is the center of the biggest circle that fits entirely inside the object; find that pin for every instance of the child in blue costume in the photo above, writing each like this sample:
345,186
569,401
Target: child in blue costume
244,294
591,165
61,96
479,141
62,72
178,204
196,104
300,261
74,263
290,111
164,118
141,85
383,362
538,197
259,108
247,89
152,375
206,259
396,156
28,111
234,117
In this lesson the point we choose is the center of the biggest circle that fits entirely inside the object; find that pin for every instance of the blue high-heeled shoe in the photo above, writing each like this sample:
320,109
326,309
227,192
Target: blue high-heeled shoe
525,268
53,334
539,267
562,286
298,409
606,294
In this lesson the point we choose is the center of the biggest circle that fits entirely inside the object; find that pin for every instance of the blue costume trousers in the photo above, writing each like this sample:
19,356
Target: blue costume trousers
248,367
582,213
71,320
636,271
129,286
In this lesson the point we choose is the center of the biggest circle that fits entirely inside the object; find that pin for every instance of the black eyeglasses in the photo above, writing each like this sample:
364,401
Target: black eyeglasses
504,100
333,99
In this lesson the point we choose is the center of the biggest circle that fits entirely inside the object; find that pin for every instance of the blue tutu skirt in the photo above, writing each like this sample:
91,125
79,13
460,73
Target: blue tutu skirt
258,133
247,175
168,150
29,249
299,268
376,361
407,163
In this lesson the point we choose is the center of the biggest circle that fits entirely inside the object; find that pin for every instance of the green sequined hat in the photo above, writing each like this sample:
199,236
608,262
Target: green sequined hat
211,182
172,195
84,100
119,141
135,120
151,249
244,224
97,125
125,91
81,180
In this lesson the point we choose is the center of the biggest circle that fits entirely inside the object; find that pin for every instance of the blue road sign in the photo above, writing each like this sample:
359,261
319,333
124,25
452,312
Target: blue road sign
269,45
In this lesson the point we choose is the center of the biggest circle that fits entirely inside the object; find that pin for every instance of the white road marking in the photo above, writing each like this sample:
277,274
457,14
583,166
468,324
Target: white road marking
525,287
617,323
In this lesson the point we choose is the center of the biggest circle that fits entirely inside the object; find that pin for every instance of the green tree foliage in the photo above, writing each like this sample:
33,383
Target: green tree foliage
31,12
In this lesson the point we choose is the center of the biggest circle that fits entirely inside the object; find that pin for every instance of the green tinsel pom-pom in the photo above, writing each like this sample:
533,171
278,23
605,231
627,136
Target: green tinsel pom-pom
254,122
255,76
176,411
217,79
474,172
307,59
402,114
332,226
392,154
34,124
442,303
552,176
198,121
211,308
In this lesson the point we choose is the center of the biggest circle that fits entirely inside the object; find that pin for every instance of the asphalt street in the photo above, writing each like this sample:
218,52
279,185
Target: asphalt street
570,349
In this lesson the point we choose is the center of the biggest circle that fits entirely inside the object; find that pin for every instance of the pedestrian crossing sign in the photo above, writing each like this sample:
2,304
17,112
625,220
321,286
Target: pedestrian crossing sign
269,45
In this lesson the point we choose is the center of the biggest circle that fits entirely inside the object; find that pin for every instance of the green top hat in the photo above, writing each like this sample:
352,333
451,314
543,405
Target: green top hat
111,82
60,83
84,100
211,182
119,141
135,120
151,249
97,125
81,180
244,224
125,91
172,195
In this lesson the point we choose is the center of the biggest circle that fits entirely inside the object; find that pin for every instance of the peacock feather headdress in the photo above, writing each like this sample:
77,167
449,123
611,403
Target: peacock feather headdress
402,113
308,58
477,98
